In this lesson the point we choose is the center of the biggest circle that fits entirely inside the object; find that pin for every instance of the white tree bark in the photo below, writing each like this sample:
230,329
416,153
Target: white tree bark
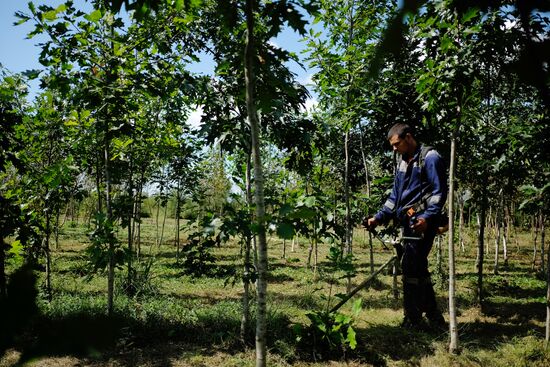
261,349
453,329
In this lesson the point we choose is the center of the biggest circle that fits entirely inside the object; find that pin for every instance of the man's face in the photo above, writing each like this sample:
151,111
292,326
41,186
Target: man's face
401,145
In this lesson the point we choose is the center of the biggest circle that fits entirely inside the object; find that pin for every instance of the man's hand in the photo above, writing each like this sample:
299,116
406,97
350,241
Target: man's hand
420,225
370,223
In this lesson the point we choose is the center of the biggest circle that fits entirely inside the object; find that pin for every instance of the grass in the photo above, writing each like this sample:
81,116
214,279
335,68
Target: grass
182,321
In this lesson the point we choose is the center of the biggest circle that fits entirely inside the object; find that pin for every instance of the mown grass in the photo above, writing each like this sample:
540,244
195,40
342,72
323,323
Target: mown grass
178,320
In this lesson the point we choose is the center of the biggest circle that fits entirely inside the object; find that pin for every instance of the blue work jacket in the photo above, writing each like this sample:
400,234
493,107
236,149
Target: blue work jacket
413,188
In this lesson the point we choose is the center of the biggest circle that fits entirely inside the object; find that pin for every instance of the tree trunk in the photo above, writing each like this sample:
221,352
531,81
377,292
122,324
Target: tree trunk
163,224
394,278
98,184
309,253
535,239
497,247
365,163
157,225
261,332
480,246
348,244
111,269
461,225
542,252
137,218
56,234
245,318
505,237
48,257
178,222
439,260
453,329
371,253
498,227
129,275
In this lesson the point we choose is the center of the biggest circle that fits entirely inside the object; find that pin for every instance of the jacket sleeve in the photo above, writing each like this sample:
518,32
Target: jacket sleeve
436,177
388,210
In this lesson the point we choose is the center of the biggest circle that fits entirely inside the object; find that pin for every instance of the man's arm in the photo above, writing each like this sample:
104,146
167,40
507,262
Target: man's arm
437,178
388,210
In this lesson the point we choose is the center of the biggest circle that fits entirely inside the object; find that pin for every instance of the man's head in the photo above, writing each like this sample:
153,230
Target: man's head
401,139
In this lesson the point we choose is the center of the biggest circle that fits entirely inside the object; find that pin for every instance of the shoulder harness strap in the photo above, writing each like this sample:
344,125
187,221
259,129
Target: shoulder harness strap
424,149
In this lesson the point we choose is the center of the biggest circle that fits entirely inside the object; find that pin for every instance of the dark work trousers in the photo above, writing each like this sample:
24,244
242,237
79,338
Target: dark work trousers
418,292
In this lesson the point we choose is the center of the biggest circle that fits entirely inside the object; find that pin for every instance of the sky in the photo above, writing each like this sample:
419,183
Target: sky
19,53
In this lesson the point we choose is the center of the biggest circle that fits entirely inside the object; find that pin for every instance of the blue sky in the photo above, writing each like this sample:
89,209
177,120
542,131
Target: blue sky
20,54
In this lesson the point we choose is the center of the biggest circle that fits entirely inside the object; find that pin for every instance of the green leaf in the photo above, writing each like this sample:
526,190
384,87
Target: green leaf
471,13
16,249
49,16
94,16
304,213
446,43
356,308
61,8
285,230
31,74
351,338
309,201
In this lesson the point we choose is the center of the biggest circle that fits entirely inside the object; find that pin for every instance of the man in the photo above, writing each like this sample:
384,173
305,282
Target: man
416,201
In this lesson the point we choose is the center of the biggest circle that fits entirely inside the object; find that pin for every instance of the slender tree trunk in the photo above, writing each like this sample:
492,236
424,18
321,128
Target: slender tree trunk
498,227
157,225
535,239
129,275
111,268
505,237
309,253
480,247
349,235
139,201
394,279
497,247
178,222
371,254
163,224
453,329
439,261
346,194
461,225
245,319
57,217
542,252
48,257
365,163
316,254
98,185
250,54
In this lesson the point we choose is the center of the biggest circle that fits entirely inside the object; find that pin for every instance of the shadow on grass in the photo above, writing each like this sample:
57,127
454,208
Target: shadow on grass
477,335
154,341
514,312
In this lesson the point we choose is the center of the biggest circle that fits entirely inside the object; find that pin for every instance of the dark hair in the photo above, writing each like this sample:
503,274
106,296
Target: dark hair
400,129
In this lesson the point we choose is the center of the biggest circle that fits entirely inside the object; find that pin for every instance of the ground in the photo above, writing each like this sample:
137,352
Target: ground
179,320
